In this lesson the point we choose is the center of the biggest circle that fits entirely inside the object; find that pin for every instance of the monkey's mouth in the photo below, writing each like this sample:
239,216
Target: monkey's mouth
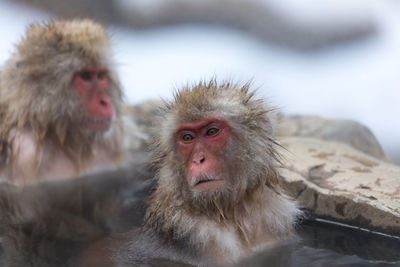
206,183
98,124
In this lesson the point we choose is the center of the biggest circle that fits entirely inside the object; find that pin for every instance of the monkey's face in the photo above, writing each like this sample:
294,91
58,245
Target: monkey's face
93,87
201,146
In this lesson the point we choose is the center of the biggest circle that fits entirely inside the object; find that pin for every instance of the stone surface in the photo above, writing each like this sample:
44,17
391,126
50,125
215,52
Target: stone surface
262,18
345,131
144,113
144,117
337,182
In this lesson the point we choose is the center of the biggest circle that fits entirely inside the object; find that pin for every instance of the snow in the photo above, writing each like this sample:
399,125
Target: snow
359,81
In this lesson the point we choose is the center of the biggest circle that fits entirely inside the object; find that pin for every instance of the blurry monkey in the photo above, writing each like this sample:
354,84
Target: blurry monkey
60,100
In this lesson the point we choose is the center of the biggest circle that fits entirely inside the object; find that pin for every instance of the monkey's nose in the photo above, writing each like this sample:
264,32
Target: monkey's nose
104,107
104,103
199,159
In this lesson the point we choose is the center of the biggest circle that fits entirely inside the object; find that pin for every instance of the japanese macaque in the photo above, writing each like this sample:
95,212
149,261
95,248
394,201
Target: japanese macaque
60,102
217,197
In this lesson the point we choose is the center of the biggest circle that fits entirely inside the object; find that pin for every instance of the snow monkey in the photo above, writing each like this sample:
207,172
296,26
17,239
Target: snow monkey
217,197
60,102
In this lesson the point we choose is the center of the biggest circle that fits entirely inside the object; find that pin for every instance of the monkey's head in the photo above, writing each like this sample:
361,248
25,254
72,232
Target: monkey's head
216,147
61,81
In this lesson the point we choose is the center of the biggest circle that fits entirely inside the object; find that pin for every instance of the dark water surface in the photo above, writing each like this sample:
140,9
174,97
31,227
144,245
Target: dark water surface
323,244
320,244
368,246
50,223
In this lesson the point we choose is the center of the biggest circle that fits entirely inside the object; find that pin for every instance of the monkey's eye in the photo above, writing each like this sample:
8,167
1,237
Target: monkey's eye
101,75
212,131
85,75
187,138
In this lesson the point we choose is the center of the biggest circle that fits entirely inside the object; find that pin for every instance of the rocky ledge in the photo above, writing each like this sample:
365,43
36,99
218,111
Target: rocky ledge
335,181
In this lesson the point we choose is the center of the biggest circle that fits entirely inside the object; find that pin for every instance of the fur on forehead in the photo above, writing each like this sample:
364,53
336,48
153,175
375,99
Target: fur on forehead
72,44
229,100
84,37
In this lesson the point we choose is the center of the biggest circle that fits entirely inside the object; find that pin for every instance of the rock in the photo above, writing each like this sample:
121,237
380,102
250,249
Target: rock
268,20
144,116
144,113
337,182
135,138
344,131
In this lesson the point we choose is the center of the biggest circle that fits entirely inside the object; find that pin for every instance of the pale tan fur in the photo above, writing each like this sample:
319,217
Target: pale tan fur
42,132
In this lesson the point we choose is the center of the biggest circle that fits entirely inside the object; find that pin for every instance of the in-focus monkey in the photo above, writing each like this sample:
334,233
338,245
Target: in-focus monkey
217,197
60,101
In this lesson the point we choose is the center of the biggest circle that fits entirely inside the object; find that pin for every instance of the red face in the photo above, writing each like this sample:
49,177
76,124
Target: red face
201,144
93,87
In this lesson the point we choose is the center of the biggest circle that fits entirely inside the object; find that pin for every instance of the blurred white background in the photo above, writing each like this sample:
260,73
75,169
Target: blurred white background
357,80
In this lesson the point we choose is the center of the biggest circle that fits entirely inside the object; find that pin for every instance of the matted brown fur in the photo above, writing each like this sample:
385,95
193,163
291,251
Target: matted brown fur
250,211
35,86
